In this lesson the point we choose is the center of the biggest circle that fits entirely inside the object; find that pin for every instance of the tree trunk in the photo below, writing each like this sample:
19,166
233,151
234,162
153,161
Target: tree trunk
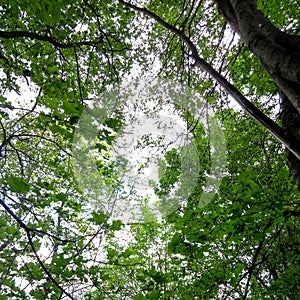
279,54
291,121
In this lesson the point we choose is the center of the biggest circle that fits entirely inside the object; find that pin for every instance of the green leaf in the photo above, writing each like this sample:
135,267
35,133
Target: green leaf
153,294
128,252
116,225
61,197
139,297
114,123
99,218
18,184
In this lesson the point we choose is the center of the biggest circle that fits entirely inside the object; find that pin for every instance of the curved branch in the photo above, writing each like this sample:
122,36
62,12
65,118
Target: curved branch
47,272
47,38
28,230
19,136
282,135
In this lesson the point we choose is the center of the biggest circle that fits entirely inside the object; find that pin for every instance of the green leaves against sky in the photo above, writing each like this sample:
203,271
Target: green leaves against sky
241,244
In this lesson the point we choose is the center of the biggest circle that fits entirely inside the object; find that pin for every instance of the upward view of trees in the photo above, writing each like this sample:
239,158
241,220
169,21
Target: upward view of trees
58,57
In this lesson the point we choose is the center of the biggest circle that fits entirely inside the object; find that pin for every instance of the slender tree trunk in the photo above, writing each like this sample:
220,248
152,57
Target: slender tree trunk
279,54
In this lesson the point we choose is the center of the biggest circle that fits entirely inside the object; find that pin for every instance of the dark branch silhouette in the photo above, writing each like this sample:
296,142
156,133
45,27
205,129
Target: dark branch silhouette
47,38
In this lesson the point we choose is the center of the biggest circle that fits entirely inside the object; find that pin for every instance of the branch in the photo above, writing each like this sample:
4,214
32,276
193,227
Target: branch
278,132
31,110
47,38
45,269
28,230
168,26
252,267
19,136
78,75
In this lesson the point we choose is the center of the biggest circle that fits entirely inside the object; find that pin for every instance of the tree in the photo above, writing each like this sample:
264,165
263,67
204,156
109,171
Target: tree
243,244
278,52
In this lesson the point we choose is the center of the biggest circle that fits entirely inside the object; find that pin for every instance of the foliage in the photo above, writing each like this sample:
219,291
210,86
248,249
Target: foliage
57,58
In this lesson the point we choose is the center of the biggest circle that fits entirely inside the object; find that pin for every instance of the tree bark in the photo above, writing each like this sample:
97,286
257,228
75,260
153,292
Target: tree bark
290,88
279,54
291,120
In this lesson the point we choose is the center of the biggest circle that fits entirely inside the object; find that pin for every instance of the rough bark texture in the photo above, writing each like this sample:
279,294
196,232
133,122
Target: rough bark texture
278,132
291,121
279,53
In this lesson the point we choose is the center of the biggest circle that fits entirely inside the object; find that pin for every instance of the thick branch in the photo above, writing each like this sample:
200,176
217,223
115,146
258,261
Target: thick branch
227,13
249,107
179,33
46,38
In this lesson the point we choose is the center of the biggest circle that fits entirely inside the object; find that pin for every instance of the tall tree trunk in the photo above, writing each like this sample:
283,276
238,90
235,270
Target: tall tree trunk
279,54
291,121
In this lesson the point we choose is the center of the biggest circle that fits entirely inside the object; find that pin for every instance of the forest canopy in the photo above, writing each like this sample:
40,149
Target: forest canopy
218,84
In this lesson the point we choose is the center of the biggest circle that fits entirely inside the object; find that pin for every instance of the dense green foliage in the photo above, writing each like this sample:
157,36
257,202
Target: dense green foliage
56,58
